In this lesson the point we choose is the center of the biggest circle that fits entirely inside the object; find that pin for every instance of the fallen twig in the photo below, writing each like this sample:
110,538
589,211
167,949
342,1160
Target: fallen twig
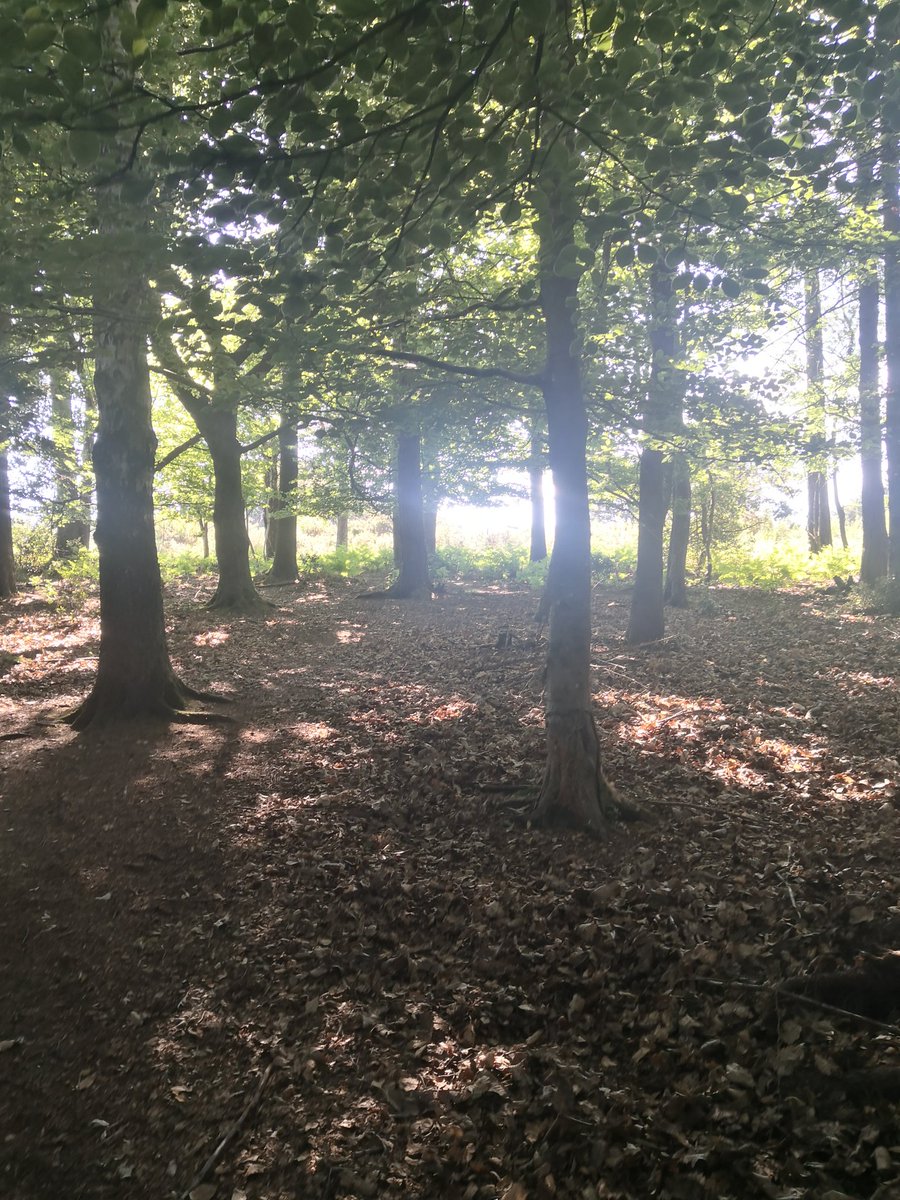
811,1001
230,1134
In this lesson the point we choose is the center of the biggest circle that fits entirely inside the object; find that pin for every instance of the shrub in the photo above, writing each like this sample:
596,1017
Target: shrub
32,548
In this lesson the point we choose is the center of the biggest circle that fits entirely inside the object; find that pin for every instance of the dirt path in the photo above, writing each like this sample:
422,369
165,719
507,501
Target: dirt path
442,1002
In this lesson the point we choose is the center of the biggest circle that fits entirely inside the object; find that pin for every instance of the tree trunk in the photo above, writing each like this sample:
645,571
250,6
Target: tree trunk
409,523
342,539
134,674
891,218
271,506
204,537
429,516
680,533
538,549
708,530
7,558
818,521
662,414
839,511
874,564
284,556
574,790
235,589
73,528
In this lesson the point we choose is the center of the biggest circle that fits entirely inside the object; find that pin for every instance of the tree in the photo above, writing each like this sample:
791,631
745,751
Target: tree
7,559
818,519
874,565
134,673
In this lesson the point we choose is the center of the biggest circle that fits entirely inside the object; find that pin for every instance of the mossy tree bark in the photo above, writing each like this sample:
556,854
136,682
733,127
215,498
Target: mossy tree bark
574,790
7,557
662,416
675,592
284,538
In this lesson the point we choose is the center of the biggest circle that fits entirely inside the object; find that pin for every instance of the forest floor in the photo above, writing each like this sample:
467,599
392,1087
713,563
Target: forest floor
313,934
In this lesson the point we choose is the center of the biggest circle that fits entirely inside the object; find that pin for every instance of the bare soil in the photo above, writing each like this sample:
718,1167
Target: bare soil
319,934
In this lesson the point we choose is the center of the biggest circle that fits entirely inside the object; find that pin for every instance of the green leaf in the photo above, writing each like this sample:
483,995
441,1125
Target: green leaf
354,8
659,28
84,146
71,72
82,43
603,16
300,20
39,37
647,254
731,287
624,256
139,47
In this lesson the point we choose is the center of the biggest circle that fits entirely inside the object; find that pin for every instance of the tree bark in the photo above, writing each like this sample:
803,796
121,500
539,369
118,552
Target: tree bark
708,530
134,675
284,554
839,512
874,564
413,582
890,183
342,536
204,538
675,592
662,414
235,589
574,790
73,528
7,556
818,521
429,516
271,506
538,548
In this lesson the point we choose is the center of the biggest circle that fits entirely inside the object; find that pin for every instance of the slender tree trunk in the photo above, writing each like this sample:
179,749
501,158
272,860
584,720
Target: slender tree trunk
818,523
72,527
662,414
204,537
7,557
891,218
708,530
342,538
271,506
235,589
409,523
284,557
429,515
134,674
874,564
538,548
679,534
839,511
574,789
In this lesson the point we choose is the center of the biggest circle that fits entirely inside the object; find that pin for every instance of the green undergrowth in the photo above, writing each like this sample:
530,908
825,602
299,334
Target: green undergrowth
780,563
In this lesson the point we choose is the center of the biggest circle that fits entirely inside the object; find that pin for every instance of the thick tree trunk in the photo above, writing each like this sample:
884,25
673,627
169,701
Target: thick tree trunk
874,564
342,536
235,590
284,555
538,549
818,521
134,674
891,217
679,534
7,557
574,790
409,523
662,414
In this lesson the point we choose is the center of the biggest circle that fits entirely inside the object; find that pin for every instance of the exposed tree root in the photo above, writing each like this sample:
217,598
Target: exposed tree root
207,697
395,593
248,604
192,716
575,793
107,705
871,990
